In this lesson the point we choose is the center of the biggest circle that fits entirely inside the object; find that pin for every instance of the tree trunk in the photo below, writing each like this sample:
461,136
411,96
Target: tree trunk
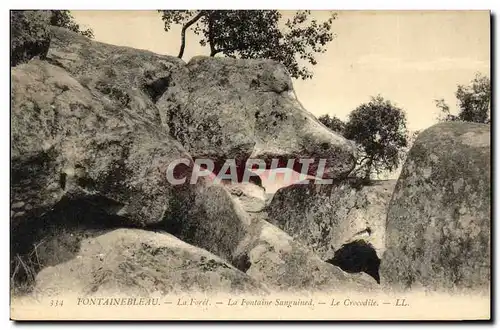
368,170
213,51
183,32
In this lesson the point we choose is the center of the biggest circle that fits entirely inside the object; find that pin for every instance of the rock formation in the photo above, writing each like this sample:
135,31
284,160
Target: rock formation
327,217
439,219
218,108
130,79
96,126
251,197
141,263
94,129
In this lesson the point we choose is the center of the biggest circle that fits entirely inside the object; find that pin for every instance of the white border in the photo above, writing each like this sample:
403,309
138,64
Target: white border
188,4
255,4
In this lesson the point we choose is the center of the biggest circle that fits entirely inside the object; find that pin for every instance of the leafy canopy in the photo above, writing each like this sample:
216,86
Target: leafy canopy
333,123
256,34
63,18
379,130
473,100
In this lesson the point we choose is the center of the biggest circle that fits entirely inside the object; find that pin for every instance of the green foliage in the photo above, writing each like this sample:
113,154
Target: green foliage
379,130
29,35
63,18
256,34
30,32
333,123
474,102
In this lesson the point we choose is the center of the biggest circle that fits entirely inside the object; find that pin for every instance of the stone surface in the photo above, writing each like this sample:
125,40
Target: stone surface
439,220
324,217
236,109
142,263
218,108
131,79
271,256
251,197
93,152
65,141
208,217
29,35
215,221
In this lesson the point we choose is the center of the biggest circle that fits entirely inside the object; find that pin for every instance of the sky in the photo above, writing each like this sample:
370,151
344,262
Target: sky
408,57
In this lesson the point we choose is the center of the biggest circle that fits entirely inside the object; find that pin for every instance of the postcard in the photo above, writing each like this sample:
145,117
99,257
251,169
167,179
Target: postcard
250,165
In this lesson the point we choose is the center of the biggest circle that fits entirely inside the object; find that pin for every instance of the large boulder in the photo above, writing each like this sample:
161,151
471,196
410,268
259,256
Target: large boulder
284,265
325,217
131,79
70,147
29,35
439,220
91,149
142,263
240,109
342,223
218,108
66,142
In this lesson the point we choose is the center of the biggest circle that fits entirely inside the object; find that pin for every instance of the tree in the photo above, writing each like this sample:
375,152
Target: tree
29,35
474,102
444,111
379,129
333,123
256,34
413,137
63,18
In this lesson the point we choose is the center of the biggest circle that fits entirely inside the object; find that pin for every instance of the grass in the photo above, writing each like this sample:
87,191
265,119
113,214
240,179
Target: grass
52,246
25,268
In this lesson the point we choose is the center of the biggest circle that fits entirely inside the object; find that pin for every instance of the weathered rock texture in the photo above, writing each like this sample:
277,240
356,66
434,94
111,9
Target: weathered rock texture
439,219
131,79
251,197
66,141
236,109
90,135
324,217
69,145
274,258
220,224
209,218
217,108
142,263
29,35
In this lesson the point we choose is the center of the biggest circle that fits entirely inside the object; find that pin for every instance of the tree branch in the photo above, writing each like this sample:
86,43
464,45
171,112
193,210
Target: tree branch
183,32
214,51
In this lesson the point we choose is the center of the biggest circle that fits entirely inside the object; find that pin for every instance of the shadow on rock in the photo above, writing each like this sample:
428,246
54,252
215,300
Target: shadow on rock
55,237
